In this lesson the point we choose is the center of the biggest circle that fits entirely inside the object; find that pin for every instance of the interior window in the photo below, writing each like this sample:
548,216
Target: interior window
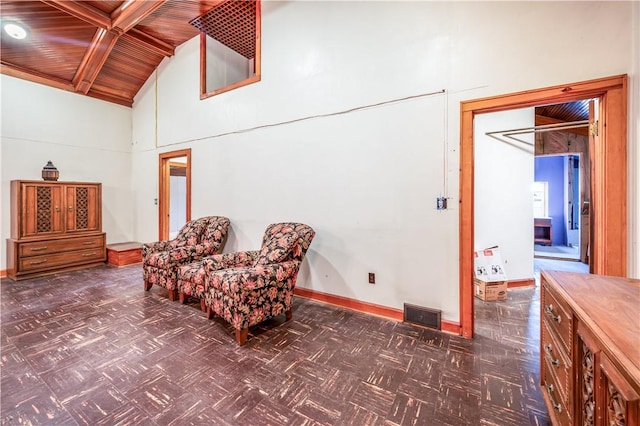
229,46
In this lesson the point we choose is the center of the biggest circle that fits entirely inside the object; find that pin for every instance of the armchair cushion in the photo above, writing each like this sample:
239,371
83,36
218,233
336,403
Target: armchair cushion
247,296
190,234
230,260
278,248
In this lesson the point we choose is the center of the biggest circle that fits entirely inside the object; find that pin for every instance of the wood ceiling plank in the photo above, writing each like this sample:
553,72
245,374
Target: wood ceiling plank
150,42
82,11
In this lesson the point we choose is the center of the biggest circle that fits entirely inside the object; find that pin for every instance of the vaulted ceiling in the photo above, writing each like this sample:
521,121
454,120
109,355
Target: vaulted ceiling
104,49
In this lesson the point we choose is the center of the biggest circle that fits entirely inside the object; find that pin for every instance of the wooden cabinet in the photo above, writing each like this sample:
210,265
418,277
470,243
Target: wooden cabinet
590,349
55,226
542,230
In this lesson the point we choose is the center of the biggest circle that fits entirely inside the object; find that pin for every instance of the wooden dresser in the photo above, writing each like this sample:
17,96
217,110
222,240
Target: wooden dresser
55,226
590,348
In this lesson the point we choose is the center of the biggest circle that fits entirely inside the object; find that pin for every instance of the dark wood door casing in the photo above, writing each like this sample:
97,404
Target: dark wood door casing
609,176
164,194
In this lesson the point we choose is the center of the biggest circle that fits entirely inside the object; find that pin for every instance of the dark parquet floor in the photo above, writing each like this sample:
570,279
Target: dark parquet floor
92,348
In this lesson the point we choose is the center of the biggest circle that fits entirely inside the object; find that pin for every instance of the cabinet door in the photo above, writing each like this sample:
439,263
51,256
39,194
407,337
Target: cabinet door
42,207
83,207
619,402
586,384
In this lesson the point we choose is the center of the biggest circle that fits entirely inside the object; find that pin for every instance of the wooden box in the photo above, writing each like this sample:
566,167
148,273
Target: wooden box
123,254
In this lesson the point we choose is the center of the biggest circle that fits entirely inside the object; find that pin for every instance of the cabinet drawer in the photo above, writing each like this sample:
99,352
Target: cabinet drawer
55,260
559,364
558,409
559,317
57,246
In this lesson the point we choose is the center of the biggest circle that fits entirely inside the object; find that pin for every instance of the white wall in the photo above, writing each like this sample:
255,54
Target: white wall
224,65
86,139
366,180
503,202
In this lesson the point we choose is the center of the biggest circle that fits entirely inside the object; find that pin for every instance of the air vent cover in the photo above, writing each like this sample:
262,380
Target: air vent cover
420,315
232,23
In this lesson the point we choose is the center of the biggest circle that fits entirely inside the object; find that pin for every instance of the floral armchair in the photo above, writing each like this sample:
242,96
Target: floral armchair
198,238
246,288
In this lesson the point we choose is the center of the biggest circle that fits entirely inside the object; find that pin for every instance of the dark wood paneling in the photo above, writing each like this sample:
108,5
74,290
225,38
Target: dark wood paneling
104,49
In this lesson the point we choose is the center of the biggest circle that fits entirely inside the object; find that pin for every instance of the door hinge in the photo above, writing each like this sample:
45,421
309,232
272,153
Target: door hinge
593,128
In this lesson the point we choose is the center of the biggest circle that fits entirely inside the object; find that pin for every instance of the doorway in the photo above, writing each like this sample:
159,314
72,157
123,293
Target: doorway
557,200
608,145
174,192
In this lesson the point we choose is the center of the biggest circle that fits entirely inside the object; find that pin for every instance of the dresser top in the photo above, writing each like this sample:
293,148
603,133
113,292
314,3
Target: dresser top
610,306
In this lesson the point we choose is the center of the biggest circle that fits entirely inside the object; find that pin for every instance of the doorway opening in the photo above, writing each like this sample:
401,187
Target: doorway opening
174,192
558,208
608,145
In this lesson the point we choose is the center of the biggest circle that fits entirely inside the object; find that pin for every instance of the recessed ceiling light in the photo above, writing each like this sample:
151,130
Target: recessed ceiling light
15,30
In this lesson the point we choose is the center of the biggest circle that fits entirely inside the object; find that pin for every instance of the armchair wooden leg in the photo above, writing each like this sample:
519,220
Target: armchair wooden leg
241,336
147,286
209,313
203,307
182,298
173,295
289,314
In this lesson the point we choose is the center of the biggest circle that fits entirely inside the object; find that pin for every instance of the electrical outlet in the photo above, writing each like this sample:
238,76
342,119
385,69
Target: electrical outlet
372,278
441,203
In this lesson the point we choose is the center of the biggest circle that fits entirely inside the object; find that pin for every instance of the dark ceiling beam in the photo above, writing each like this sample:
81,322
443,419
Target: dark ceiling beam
83,11
12,70
161,47
94,58
110,97
131,12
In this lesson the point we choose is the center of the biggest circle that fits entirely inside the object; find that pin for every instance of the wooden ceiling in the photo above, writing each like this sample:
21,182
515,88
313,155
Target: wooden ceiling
103,49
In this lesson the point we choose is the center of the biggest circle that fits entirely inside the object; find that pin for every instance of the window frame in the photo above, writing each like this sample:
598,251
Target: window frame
257,62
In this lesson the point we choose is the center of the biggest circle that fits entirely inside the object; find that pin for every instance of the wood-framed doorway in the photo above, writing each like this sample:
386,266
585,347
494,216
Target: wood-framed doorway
608,251
164,189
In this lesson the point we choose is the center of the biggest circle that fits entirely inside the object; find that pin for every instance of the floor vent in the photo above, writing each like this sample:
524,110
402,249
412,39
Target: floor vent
422,316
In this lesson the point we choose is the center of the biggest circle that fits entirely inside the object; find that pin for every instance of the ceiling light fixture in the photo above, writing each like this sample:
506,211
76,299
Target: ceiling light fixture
15,30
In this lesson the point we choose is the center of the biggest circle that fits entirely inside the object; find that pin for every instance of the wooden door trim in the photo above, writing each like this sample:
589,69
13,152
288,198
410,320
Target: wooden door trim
164,165
609,200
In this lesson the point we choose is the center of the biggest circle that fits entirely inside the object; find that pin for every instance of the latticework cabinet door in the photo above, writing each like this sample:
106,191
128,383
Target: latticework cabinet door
42,206
83,207
619,401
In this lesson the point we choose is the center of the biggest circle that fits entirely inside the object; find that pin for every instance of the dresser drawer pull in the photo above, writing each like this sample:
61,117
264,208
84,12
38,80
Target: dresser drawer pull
548,309
89,254
38,248
37,262
88,243
548,354
557,407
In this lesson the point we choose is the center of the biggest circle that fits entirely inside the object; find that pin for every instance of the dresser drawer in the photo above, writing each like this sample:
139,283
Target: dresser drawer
559,363
558,409
54,260
56,246
559,318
